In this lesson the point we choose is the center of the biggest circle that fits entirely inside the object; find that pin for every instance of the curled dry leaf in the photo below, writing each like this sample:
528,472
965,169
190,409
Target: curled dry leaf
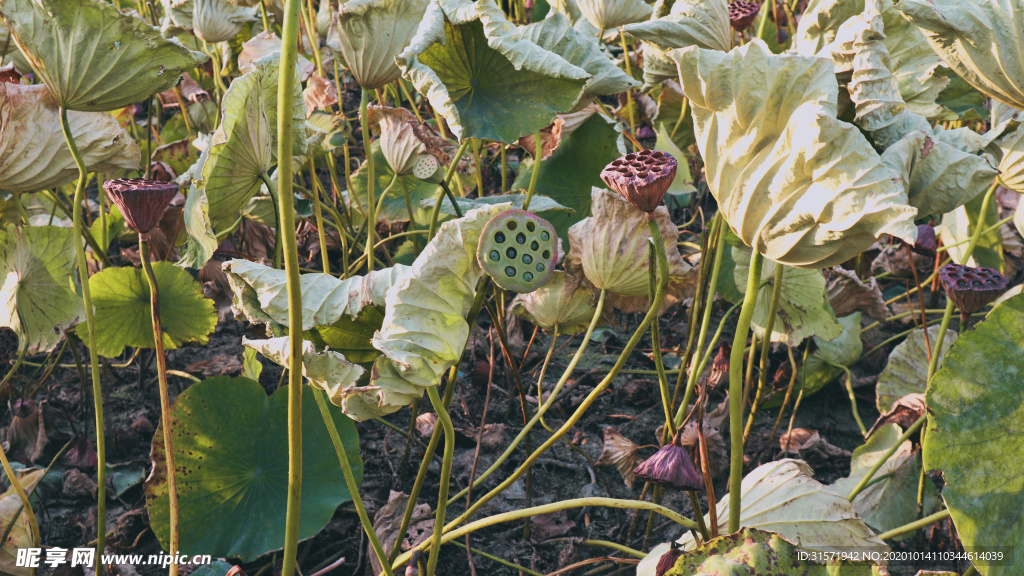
810,446
847,294
620,452
718,459
906,371
425,424
264,44
388,520
551,525
319,93
905,412
564,303
550,138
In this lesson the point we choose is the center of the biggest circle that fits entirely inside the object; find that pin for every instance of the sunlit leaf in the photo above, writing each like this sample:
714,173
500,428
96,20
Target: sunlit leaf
366,35
702,23
906,372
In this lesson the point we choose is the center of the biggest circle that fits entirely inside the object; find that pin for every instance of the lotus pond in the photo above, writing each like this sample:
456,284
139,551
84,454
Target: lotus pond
456,287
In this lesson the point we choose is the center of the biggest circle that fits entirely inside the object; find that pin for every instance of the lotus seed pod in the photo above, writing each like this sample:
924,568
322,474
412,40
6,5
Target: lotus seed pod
742,14
8,344
642,178
428,169
670,467
141,201
972,288
518,250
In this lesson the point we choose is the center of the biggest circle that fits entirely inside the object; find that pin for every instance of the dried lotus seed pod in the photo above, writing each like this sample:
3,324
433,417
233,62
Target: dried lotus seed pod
742,14
971,288
518,250
428,169
142,202
642,178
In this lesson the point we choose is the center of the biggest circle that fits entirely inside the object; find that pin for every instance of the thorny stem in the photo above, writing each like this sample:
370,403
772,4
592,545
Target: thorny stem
165,396
371,216
762,375
446,473
350,480
736,388
286,211
94,361
885,457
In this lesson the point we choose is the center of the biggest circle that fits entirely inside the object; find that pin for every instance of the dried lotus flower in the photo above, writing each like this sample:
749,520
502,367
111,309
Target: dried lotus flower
425,424
82,454
720,366
668,560
141,201
718,458
8,344
671,467
399,144
742,14
926,244
620,452
24,428
642,178
971,288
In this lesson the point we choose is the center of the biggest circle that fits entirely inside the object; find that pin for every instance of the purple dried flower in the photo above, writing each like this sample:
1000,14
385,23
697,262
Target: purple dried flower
141,201
8,344
926,244
742,14
645,133
668,560
972,288
642,178
82,454
670,467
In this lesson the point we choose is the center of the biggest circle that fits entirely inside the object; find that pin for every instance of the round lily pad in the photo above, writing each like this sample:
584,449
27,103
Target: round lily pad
231,453
519,250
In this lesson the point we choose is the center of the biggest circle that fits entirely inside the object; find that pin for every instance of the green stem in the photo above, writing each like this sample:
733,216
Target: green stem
278,232
371,216
446,474
350,480
885,457
736,388
853,398
319,215
286,212
444,188
504,170
659,363
916,525
538,156
94,361
762,375
550,508
165,397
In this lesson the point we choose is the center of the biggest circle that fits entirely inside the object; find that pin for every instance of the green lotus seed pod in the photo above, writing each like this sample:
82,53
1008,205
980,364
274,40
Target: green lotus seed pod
518,249
427,168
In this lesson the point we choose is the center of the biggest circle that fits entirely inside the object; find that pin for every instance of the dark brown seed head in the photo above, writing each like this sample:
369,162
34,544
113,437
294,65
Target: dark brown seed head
742,14
141,201
670,467
668,560
972,288
8,344
642,178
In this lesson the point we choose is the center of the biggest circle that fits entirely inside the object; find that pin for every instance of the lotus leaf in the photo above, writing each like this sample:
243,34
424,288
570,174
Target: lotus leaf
20,536
979,39
393,207
907,369
366,35
958,228
610,250
823,365
976,418
555,33
240,154
121,299
329,371
609,14
538,204
33,153
263,45
753,551
804,309
799,185
571,10
703,23
782,497
231,451
1011,165
211,20
485,80
564,303
13,54
128,60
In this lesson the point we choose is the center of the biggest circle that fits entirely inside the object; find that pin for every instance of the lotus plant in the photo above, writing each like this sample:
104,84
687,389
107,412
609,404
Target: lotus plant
971,289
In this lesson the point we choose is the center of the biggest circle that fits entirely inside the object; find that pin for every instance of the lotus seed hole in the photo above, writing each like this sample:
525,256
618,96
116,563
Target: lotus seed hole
511,252
642,174
531,226
528,276
534,245
630,157
494,255
545,236
656,169
511,224
540,267
510,271
521,238
658,154
546,254
527,259
499,237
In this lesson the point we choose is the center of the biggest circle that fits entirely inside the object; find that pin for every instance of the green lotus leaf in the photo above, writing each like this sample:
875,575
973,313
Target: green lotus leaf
957,229
231,452
10,53
219,20
610,250
1011,165
890,500
753,551
486,81
916,67
37,299
555,33
366,35
781,497
703,23
823,365
941,169
20,537
91,56
670,108
799,185
564,303
122,302
907,369
569,176
610,14
240,152
804,309
33,153
979,39
261,293
976,418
